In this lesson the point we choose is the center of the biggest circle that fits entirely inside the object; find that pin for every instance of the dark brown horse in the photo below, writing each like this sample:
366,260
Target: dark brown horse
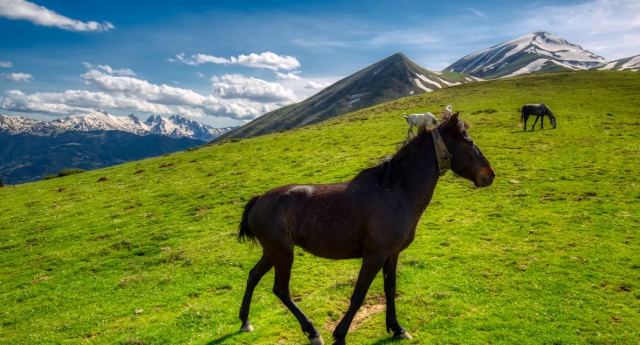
540,111
373,217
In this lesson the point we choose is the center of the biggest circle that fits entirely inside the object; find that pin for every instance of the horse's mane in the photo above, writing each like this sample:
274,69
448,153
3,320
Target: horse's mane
388,171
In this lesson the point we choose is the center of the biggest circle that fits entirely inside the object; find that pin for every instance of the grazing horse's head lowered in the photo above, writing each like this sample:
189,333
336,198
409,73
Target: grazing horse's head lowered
466,159
372,216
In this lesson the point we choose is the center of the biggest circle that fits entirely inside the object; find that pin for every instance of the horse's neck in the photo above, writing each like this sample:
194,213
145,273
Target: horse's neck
419,173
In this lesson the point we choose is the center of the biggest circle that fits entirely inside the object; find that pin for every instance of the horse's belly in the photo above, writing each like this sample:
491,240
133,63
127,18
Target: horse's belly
332,237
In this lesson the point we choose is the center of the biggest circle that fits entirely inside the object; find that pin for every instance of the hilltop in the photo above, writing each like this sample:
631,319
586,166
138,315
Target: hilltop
148,255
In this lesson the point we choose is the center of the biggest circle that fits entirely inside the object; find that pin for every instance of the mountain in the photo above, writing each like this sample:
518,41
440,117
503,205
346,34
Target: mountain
28,157
31,149
178,127
391,78
535,52
174,127
627,64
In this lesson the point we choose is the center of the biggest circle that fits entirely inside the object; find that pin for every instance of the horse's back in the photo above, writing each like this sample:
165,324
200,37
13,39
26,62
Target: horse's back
322,219
534,107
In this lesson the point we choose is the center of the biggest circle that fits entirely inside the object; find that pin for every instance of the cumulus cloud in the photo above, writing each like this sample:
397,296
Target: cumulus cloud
266,60
240,86
289,75
18,76
6,64
236,97
316,85
110,70
40,15
74,101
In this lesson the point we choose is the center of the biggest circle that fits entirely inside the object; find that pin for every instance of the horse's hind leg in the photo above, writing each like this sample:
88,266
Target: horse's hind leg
257,272
283,263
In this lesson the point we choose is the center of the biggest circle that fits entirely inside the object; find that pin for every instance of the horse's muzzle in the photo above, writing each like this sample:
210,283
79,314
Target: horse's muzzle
485,177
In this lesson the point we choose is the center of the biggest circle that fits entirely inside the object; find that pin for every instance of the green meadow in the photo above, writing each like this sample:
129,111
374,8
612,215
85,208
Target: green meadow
146,252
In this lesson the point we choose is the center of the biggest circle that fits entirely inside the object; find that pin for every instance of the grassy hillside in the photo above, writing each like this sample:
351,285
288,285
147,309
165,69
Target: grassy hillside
547,255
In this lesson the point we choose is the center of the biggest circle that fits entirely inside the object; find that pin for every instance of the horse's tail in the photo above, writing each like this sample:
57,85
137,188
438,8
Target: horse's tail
522,115
245,232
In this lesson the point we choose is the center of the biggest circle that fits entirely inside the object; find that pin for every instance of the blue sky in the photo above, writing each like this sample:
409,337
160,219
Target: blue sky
63,57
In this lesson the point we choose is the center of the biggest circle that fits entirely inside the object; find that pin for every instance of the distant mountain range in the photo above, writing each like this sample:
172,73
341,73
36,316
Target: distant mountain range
173,127
535,53
391,78
627,64
32,149
28,157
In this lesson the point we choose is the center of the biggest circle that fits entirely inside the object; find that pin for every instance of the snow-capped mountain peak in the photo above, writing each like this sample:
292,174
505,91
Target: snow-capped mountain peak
175,126
538,51
99,121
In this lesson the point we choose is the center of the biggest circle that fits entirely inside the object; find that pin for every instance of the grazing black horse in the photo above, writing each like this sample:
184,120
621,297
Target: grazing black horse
373,217
539,110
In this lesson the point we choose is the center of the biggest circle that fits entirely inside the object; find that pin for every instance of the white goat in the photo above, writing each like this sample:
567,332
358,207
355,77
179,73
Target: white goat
420,120
448,111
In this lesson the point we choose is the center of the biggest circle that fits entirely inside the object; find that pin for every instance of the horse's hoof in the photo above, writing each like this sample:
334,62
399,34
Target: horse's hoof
246,328
316,341
403,335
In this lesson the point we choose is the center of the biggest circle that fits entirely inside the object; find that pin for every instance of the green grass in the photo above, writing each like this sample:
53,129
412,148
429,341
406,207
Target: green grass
547,255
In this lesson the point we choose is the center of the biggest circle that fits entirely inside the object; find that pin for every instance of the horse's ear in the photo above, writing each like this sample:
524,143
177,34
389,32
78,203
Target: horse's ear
454,123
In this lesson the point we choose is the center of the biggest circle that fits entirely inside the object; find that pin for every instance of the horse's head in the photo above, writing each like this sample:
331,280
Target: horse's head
466,158
552,117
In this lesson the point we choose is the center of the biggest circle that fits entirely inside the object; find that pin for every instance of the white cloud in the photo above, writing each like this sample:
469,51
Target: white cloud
18,76
6,64
288,75
240,86
236,97
266,60
316,85
74,101
40,15
110,70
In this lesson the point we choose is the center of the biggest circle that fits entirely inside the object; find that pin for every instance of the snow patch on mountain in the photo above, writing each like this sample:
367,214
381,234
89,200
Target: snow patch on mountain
420,85
428,81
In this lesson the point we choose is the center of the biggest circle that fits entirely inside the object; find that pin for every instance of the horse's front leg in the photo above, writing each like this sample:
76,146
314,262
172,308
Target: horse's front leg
389,271
542,121
371,265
